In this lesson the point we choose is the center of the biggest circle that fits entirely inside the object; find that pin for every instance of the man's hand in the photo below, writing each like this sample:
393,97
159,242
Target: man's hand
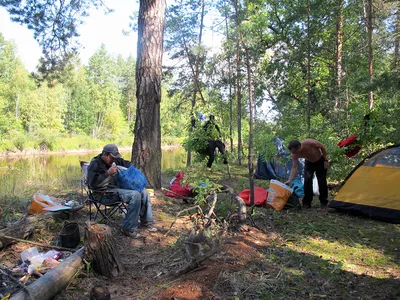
326,164
112,170
288,183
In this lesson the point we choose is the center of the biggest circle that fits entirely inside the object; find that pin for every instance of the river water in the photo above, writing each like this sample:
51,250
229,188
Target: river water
23,175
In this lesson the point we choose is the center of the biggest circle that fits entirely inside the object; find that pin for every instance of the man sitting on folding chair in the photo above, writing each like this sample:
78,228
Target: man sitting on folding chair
101,178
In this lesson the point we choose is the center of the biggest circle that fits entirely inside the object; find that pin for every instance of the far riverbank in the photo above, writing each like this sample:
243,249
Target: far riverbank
33,152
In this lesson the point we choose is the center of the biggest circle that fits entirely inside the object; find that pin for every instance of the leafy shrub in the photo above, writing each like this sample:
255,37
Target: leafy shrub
20,141
46,140
196,177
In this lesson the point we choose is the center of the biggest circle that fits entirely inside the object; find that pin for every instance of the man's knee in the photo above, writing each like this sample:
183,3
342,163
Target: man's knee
129,196
145,195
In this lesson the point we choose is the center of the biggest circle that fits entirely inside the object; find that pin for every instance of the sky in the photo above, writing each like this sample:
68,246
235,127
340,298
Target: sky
98,28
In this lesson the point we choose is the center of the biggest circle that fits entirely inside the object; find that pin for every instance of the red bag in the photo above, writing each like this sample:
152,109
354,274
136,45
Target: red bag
347,141
260,196
177,188
350,140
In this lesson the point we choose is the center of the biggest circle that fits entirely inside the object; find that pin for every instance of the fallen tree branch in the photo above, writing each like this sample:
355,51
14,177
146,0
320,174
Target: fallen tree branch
194,250
24,228
2,236
51,283
212,197
255,225
241,212
181,212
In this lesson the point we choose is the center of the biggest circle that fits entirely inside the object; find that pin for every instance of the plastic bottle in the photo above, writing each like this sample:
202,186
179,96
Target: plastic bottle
29,253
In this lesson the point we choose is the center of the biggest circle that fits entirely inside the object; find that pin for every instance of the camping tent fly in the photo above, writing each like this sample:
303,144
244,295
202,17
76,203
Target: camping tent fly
279,166
373,187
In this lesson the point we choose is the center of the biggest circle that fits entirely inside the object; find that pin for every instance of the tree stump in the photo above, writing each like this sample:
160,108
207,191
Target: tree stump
101,251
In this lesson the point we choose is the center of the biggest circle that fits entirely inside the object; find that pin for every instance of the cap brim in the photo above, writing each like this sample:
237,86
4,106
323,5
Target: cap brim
115,155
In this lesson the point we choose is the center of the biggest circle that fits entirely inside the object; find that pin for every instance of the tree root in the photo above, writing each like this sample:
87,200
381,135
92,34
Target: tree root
195,246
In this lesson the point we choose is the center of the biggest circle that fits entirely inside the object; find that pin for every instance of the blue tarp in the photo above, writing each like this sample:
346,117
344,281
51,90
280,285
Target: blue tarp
279,166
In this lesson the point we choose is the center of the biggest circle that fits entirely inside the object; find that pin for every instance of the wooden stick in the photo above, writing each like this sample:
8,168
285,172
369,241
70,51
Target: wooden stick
36,243
195,263
182,211
213,196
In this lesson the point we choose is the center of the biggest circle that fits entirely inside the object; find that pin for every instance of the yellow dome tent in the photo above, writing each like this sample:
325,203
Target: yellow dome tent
372,189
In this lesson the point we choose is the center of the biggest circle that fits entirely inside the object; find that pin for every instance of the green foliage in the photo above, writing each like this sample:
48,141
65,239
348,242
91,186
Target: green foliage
196,177
171,141
46,140
196,140
20,141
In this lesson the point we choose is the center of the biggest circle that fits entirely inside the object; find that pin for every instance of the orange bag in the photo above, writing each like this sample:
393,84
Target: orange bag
278,194
41,202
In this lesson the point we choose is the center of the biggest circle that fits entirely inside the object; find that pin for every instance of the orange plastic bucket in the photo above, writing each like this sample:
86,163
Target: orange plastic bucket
278,194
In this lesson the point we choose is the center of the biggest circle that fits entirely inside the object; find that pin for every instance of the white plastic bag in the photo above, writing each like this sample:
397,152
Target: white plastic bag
315,186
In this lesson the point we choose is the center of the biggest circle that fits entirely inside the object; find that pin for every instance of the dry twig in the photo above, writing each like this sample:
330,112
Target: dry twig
181,212
36,243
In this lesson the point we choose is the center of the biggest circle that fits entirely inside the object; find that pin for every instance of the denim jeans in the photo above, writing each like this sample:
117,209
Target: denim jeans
146,213
139,205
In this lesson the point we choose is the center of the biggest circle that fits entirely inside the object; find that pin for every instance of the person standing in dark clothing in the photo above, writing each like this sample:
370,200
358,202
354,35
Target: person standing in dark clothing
212,129
316,161
213,136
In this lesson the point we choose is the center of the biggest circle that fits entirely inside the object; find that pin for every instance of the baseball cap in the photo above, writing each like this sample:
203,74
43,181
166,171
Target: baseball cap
112,149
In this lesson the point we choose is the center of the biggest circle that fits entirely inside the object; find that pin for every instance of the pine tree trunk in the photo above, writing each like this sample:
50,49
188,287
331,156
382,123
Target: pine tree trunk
370,53
251,110
308,69
101,251
339,54
230,86
146,149
238,88
196,76
397,41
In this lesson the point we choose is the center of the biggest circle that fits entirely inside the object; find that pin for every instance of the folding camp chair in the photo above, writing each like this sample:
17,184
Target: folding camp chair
103,211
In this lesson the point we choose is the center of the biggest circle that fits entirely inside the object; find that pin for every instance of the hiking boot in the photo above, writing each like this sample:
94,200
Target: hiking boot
306,206
324,204
133,233
149,227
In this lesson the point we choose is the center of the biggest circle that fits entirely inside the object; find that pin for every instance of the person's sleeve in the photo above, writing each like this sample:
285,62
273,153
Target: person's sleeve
98,179
123,162
217,127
